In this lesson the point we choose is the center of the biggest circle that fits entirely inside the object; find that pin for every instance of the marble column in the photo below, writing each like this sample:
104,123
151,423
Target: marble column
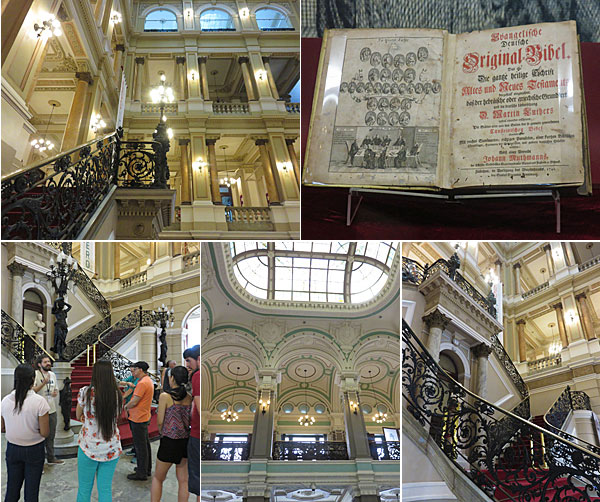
481,352
117,260
437,322
357,441
14,13
106,16
214,173
270,78
522,341
139,71
262,429
181,76
203,77
84,80
290,145
517,269
274,198
185,172
119,52
562,329
548,250
16,309
243,61
588,326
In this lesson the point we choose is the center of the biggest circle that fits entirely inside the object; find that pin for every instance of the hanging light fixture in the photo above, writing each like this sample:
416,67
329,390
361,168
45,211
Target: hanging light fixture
43,144
555,345
379,416
306,419
229,415
227,180
49,27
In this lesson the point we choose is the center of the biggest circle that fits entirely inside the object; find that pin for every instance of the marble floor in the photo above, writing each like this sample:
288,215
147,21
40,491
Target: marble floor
59,482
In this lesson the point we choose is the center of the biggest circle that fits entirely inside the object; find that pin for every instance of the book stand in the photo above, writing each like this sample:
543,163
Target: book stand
554,193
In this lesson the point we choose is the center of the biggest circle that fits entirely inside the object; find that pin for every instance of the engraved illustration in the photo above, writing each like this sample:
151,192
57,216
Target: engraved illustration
387,119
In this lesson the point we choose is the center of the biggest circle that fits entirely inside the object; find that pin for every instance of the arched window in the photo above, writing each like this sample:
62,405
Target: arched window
216,20
272,20
161,20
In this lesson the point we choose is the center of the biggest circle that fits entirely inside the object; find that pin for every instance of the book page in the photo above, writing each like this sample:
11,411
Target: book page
376,119
516,116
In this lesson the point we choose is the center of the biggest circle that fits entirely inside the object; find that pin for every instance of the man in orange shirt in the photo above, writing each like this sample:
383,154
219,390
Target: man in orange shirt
139,416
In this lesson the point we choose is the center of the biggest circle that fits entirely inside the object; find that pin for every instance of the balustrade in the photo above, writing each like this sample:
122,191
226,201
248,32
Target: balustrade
231,108
292,107
154,108
134,280
248,218
191,260
589,263
553,361
535,290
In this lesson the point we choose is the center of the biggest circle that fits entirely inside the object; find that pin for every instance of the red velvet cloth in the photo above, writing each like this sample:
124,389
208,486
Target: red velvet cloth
383,216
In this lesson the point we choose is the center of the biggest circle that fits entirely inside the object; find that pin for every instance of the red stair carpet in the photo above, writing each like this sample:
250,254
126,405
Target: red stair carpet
82,376
399,217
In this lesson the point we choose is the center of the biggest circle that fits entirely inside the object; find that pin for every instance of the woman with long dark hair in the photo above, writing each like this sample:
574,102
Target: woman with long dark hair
174,415
99,406
25,421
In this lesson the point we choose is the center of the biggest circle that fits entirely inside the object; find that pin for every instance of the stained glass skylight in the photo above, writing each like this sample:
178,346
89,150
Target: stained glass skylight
332,272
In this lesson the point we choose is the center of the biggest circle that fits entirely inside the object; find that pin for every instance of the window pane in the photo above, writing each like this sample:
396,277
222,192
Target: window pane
216,19
271,19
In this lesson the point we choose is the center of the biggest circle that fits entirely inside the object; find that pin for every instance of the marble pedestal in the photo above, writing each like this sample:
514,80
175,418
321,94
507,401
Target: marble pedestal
65,441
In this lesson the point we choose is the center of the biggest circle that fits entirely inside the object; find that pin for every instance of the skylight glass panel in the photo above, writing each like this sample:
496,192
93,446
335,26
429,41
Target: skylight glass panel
216,20
160,20
303,246
271,19
321,247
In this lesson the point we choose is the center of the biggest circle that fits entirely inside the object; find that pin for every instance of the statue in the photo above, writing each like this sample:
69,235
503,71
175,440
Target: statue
64,401
40,333
60,310
163,346
453,265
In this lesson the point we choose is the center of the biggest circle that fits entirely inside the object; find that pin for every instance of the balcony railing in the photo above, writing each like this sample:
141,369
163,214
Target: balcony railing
253,219
554,361
232,452
297,450
412,271
57,197
386,450
155,108
589,263
191,261
231,108
292,107
535,290
134,280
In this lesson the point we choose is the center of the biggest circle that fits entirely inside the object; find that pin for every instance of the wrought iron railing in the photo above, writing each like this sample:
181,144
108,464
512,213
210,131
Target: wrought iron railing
19,343
386,450
83,282
298,450
508,457
57,197
231,108
536,290
249,218
233,452
553,361
412,271
509,366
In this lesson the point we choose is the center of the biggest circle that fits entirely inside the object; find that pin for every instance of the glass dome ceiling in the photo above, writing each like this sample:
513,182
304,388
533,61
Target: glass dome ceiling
331,272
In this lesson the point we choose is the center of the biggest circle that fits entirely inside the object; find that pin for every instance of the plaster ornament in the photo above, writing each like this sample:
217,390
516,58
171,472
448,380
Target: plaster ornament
270,331
346,333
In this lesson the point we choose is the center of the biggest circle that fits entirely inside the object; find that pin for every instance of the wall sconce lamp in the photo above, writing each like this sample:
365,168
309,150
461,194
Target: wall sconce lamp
284,166
353,402
170,133
264,401
572,316
244,12
189,12
557,253
261,75
116,17
192,75
49,27
97,123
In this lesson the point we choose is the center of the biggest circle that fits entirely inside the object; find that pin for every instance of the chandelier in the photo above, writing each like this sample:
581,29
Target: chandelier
43,144
306,420
49,27
379,416
555,346
229,415
227,180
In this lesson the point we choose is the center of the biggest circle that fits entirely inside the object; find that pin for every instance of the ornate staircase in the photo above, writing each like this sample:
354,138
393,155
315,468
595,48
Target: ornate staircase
505,454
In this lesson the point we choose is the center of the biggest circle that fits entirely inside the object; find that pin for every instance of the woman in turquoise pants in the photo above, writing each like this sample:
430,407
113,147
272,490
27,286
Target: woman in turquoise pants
98,407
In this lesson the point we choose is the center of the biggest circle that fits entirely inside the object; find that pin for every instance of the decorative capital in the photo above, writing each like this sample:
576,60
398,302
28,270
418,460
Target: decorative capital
244,59
180,60
202,60
546,247
498,262
261,142
85,76
482,350
521,322
517,265
184,142
17,269
436,320
266,59
211,142
557,306
120,47
139,60
581,296
290,141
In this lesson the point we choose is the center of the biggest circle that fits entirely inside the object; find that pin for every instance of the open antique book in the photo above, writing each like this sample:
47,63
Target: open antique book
425,109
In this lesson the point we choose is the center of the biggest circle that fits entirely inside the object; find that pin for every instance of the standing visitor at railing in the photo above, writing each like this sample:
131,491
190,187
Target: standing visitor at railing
139,415
99,406
174,416
25,421
45,385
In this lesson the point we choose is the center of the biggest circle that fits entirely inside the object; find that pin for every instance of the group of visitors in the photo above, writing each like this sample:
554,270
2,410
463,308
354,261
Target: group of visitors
29,420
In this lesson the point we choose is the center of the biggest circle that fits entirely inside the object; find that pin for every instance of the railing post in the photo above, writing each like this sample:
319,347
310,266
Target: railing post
141,316
117,154
570,398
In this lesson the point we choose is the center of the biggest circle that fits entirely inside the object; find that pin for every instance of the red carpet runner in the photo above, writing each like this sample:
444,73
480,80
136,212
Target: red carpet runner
80,377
